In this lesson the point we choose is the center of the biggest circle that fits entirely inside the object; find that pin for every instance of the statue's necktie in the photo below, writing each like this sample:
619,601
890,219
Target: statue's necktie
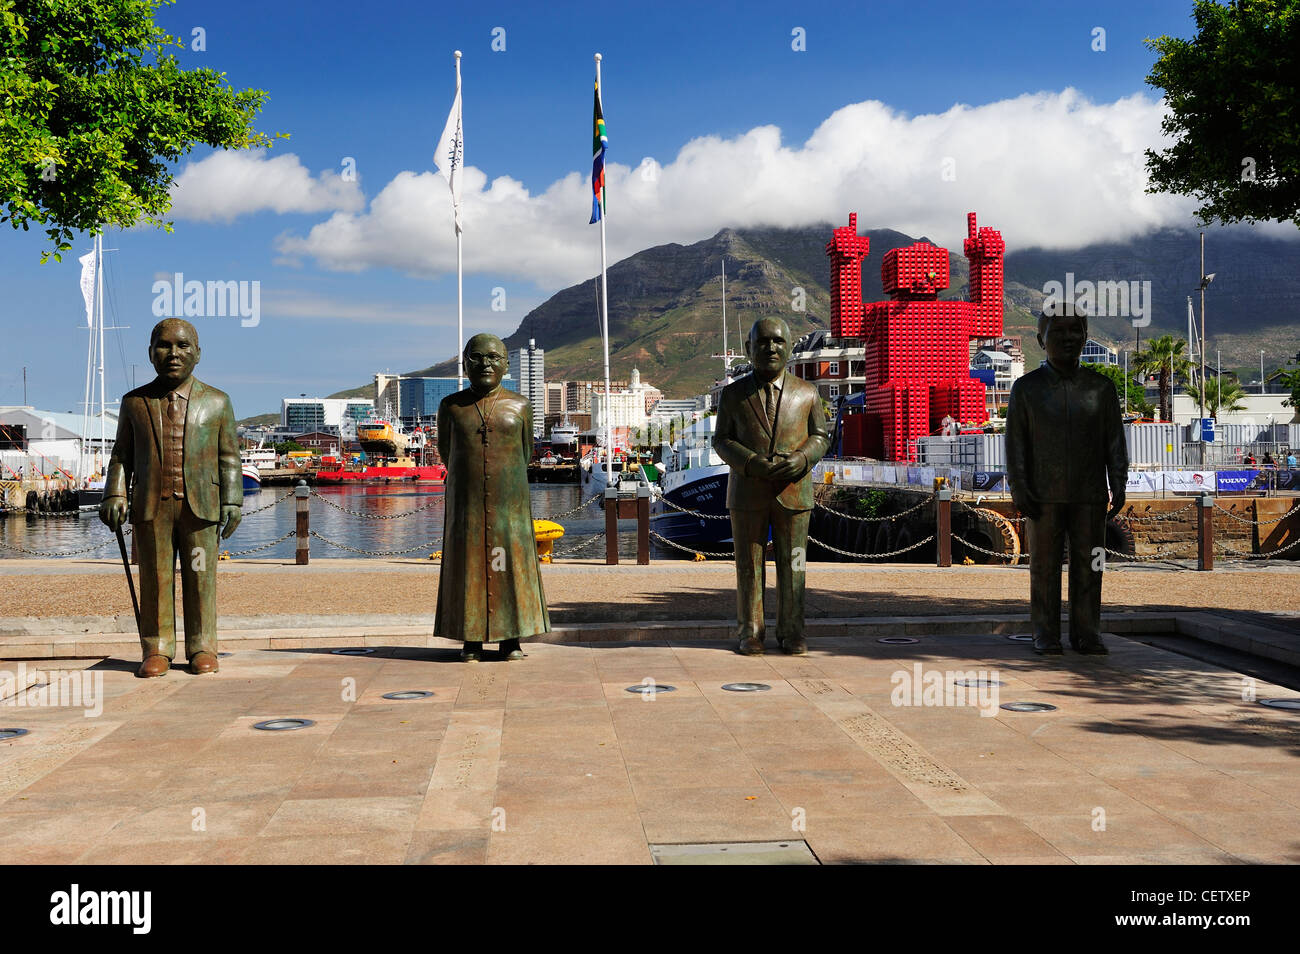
771,406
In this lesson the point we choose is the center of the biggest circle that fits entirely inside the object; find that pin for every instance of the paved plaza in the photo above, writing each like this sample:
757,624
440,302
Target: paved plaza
1150,757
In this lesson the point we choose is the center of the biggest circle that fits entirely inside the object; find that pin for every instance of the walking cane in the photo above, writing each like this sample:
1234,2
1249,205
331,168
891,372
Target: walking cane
130,580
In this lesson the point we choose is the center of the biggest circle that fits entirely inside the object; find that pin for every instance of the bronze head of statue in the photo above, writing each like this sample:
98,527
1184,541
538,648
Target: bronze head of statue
1062,332
174,350
768,348
486,363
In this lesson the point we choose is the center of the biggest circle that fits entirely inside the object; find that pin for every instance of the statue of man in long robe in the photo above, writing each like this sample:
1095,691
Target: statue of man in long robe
490,587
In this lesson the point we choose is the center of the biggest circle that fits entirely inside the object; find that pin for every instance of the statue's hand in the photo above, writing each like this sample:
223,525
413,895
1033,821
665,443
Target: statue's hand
113,512
759,467
1116,503
1027,506
789,468
230,516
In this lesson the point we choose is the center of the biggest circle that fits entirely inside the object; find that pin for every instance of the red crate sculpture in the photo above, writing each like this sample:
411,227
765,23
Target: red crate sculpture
917,347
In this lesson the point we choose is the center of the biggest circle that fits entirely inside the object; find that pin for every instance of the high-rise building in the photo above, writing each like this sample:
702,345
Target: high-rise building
555,397
303,414
528,367
420,397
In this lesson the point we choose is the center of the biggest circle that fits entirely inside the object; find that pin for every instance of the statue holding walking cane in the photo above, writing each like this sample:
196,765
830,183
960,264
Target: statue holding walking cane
177,456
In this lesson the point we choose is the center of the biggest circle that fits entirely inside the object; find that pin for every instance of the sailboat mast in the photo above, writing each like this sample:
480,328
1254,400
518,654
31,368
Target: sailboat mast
99,308
726,362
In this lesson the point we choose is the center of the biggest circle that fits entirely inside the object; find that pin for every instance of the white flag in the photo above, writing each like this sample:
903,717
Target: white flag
450,154
88,285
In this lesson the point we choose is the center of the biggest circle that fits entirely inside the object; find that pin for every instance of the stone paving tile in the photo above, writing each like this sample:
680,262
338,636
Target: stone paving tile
1132,832
366,848
304,817
882,840
465,847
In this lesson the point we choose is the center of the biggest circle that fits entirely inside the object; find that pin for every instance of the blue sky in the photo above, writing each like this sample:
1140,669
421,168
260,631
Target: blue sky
702,89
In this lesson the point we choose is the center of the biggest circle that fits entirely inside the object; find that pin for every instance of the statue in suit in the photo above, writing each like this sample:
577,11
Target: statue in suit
1065,448
177,455
771,430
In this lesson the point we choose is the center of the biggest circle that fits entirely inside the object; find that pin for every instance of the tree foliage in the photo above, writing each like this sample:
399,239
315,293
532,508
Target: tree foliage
1230,396
1164,357
93,108
1137,398
1233,95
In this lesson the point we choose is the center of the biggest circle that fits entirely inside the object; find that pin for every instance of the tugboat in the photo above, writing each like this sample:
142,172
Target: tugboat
390,454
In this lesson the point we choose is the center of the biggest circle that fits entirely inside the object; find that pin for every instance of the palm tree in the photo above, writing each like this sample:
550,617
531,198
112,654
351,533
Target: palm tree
1164,358
1230,399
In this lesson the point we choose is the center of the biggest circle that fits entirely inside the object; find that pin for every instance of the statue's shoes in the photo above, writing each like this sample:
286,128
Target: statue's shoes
794,646
470,655
1090,647
1047,647
515,654
203,663
750,646
154,666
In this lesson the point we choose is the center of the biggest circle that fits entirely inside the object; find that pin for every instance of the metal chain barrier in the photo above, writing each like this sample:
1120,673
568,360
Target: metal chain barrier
578,548
1257,523
728,555
277,500
1156,517
344,546
63,553
1224,548
570,513
894,516
1170,553
262,546
376,516
694,513
870,556
1013,557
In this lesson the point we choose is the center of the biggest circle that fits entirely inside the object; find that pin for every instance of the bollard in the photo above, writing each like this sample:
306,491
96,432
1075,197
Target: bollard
943,527
642,525
1205,532
611,526
301,500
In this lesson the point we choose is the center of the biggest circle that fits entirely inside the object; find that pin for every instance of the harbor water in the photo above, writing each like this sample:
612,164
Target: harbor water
412,517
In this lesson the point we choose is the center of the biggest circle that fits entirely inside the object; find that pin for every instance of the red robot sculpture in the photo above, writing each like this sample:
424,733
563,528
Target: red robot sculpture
917,347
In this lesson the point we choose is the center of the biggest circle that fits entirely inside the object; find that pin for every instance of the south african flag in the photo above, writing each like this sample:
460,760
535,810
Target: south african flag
599,141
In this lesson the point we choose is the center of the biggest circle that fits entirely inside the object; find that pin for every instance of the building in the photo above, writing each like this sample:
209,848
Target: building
320,442
555,398
577,394
835,366
33,441
1094,352
303,414
528,367
625,409
420,397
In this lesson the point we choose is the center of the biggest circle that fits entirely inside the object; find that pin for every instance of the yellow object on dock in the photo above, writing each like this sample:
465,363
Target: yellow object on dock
546,532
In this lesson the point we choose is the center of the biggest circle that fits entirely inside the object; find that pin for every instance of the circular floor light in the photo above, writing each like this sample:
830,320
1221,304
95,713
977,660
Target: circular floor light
1291,704
650,689
283,725
746,687
1027,707
408,694
897,640
357,651
7,734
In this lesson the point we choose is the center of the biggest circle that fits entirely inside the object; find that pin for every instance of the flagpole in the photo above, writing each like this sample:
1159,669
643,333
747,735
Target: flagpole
604,326
460,279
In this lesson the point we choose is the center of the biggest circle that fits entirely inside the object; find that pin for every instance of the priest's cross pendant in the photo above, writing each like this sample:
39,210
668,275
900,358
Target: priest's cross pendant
483,429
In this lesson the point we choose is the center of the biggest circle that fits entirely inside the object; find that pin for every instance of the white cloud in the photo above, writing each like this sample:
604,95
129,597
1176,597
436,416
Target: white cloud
1048,169
226,185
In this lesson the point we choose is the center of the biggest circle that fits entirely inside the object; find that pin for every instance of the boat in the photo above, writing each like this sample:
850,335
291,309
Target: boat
694,478
388,453
564,434
629,471
252,463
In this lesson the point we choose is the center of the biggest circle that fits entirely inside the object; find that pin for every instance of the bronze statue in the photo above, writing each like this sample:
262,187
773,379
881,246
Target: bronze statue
177,455
490,584
1065,443
771,430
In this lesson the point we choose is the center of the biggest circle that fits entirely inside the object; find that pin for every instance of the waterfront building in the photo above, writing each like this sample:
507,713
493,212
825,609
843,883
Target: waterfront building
835,366
528,367
303,414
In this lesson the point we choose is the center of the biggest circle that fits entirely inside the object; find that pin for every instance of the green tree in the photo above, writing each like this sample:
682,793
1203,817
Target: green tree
1137,398
1231,93
1230,398
94,110
1165,358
